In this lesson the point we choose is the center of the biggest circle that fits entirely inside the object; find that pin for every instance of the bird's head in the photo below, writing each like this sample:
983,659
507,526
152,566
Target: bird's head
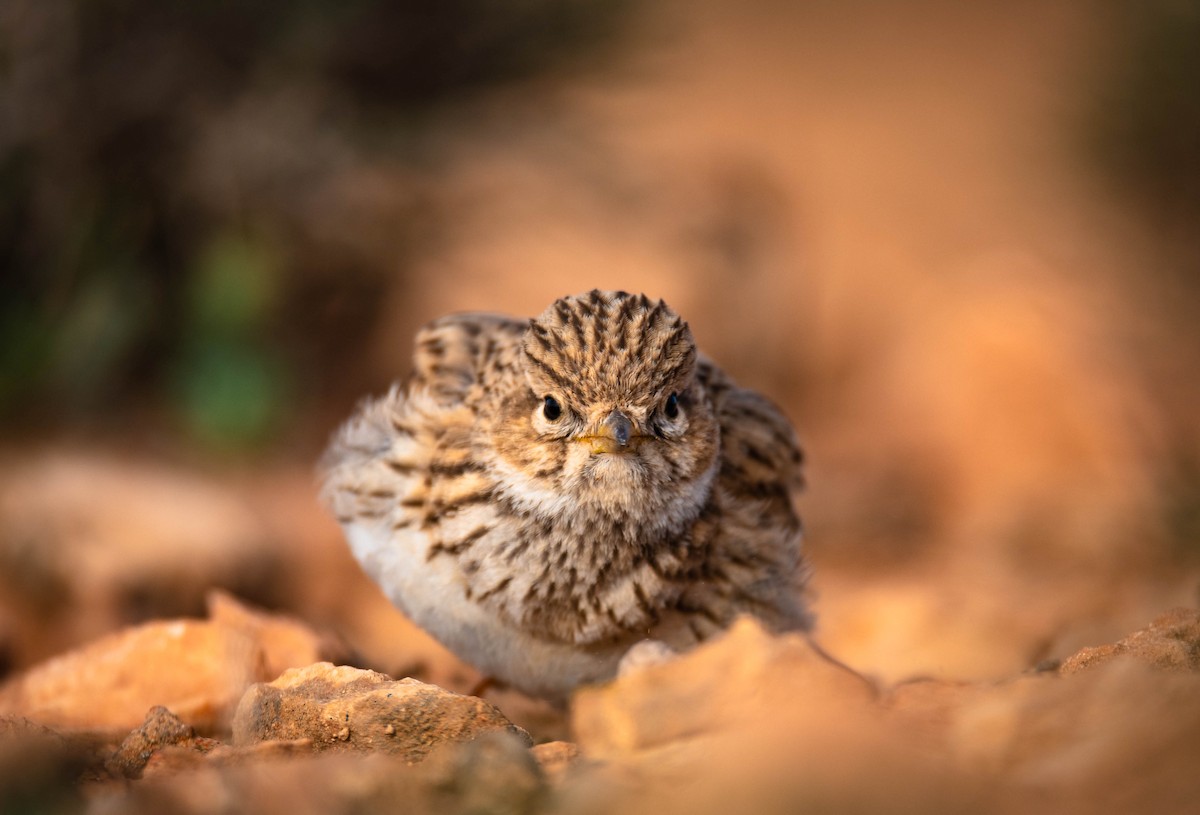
614,399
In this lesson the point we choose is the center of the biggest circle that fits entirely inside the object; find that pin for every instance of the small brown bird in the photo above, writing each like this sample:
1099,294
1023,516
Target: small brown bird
542,495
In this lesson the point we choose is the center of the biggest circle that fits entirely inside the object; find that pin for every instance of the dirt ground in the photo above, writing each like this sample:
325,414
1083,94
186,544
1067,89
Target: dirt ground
880,219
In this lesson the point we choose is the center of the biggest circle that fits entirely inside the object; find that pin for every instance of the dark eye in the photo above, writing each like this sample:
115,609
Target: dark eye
551,409
671,408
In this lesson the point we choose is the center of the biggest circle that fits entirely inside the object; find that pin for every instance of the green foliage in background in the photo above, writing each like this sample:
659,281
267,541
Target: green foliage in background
161,234
227,383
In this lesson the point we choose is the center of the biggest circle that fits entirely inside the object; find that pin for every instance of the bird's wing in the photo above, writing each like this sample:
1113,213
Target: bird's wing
758,444
452,354
752,559
370,464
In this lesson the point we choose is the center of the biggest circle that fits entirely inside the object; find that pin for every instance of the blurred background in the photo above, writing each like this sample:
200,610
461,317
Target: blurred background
959,244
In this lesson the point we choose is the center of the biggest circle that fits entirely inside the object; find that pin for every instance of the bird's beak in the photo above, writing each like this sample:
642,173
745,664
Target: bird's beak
614,435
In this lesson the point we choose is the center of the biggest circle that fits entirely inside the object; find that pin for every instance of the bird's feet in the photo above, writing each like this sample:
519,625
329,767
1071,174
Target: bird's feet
644,654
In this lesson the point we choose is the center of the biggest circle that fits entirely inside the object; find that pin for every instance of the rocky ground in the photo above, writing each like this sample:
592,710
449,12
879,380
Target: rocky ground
231,708
751,723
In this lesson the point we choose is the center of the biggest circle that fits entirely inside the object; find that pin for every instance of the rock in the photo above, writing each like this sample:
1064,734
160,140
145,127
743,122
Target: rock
40,769
493,774
496,773
161,729
196,668
195,754
1171,642
927,708
1118,738
711,689
749,722
329,784
335,784
283,642
557,759
343,708
1114,731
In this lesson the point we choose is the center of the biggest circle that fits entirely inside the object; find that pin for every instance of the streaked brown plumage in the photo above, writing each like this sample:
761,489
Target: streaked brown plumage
542,495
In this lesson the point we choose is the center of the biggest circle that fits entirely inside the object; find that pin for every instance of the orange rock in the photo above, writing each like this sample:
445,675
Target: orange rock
751,722
1114,730
283,642
712,689
1171,642
557,758
196,668
343,708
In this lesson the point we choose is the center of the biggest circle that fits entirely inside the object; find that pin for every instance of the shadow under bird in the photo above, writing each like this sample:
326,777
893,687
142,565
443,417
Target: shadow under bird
543,495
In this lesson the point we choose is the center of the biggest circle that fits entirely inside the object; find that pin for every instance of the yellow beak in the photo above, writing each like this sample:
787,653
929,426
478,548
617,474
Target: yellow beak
615,435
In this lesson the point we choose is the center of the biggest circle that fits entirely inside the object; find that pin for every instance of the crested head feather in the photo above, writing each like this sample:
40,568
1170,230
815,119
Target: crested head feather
611,346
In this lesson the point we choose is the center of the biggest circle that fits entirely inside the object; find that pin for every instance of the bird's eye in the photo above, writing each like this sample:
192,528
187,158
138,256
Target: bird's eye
551,409
671,408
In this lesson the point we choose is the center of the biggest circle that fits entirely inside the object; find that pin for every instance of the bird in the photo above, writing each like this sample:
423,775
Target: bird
547,496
